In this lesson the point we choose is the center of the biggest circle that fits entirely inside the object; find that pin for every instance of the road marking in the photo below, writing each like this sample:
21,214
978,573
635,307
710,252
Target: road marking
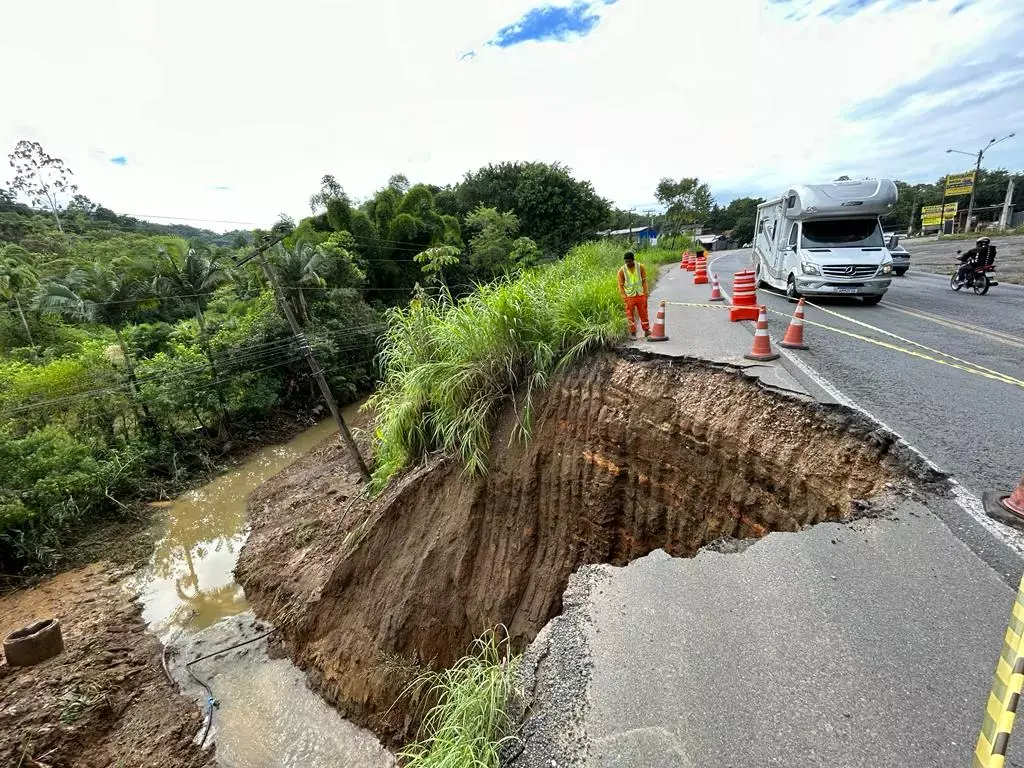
959,325
979,369
965,499
1001,708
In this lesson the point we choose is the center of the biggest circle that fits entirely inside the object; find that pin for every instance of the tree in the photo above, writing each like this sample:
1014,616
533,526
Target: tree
190,273
435,259
687,201
399,182
17,275
555,210
298,269
43,179
104,293
329,189
490,247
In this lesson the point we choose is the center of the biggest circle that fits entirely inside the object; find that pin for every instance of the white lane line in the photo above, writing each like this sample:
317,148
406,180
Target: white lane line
966,500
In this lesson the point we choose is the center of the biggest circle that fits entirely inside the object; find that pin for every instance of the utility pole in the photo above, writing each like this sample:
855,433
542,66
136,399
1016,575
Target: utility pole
977,168
1004,219
629,234
307,353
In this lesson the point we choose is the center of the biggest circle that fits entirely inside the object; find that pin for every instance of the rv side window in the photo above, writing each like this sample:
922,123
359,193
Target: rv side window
792,235
791,203
774,223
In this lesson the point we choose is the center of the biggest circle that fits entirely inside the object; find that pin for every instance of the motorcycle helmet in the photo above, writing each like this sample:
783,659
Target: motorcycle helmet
983,241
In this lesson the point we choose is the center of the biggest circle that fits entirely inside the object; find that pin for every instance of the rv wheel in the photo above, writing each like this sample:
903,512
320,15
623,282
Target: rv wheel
791,292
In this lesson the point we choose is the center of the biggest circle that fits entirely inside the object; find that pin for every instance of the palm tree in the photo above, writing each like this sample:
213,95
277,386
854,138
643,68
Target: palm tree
190,273
17,274
104,293
298,268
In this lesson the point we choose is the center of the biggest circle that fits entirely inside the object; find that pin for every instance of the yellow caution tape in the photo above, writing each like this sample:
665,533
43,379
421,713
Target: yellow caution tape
1001,709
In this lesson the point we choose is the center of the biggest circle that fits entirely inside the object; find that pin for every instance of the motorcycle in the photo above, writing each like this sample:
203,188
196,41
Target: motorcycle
978,279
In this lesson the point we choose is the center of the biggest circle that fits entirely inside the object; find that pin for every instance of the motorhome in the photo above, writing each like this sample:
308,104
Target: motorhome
826,240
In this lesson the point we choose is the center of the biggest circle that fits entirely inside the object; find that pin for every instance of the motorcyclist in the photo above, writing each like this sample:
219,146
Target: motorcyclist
982,255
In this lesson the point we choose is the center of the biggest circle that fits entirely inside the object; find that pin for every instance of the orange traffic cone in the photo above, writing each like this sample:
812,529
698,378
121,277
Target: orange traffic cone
658,332
762,349
1006,509
691,262
684,260
794,338
716,289
700,275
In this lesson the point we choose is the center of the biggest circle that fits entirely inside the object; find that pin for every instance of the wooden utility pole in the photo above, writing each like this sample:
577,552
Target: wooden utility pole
307,353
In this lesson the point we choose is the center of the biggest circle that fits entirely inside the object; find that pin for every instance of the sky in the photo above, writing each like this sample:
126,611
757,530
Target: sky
230,111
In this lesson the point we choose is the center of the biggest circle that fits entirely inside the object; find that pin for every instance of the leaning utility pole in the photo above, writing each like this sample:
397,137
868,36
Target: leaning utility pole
307,353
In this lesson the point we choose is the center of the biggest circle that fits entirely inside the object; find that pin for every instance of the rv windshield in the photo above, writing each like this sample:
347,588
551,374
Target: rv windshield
842,233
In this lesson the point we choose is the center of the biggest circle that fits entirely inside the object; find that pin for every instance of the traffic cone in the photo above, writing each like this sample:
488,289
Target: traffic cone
700,275
658,332
1006,509
744,297
762,349
794,338
684,260
716,289
691,262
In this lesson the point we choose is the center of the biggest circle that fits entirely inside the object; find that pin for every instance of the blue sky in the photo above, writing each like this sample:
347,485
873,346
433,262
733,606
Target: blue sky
749,95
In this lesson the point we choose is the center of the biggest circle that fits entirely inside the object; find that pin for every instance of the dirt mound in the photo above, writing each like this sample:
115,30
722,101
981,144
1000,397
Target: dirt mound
627,456
105,701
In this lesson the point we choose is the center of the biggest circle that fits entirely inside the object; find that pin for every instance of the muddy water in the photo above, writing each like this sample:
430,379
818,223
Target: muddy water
190,579
265,717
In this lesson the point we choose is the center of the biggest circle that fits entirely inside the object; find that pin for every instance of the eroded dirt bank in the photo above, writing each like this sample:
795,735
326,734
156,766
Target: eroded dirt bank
103,702
627,456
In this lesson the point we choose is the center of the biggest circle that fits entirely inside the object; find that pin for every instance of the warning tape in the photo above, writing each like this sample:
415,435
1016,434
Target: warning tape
697,304
1001,709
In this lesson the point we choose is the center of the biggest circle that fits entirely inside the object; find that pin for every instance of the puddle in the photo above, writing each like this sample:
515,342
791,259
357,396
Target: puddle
190,578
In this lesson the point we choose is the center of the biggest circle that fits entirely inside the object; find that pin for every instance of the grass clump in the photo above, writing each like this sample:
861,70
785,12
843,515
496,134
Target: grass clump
448,367
470,724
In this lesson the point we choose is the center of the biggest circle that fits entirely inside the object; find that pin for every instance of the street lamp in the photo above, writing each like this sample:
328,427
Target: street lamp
977,168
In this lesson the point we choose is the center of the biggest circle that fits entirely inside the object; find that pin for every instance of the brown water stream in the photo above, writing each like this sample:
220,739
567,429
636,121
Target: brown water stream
190,579
265,717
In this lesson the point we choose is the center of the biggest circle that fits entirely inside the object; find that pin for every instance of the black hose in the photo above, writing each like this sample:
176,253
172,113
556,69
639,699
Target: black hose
210,701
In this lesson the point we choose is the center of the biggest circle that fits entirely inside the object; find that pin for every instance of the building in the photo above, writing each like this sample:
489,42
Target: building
642,235
716,242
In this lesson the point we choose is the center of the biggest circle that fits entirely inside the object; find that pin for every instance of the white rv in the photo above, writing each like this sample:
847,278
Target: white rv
826,240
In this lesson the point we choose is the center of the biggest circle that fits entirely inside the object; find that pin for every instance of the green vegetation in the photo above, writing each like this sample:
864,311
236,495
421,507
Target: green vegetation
470,723
448,366
134,356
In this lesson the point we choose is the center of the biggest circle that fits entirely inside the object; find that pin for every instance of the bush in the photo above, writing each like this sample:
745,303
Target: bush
448,368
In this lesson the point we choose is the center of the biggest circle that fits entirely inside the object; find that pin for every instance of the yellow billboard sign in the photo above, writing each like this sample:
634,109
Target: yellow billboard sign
959,184
934,215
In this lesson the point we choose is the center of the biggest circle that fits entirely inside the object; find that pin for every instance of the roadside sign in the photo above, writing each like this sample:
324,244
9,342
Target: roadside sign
934,215
959,184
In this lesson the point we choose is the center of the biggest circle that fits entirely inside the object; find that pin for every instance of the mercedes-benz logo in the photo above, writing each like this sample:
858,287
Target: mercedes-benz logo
851,270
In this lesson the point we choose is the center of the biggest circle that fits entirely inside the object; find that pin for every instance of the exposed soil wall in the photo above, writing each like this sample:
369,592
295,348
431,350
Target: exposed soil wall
627,456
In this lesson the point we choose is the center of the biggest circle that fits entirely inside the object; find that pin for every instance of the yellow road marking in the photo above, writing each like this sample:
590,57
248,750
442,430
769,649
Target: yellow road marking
959,325
980,368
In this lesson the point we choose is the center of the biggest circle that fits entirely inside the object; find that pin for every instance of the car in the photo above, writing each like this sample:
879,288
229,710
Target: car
900,255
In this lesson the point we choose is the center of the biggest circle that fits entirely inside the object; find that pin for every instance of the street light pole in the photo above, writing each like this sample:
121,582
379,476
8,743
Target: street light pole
977,169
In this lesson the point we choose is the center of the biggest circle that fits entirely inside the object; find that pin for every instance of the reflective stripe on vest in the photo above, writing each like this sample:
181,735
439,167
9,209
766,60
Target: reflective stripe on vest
633,284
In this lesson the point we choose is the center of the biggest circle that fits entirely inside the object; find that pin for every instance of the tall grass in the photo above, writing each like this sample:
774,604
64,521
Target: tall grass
470,723
447,368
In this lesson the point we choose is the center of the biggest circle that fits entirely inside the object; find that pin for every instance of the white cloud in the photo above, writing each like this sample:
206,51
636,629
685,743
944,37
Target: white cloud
264,99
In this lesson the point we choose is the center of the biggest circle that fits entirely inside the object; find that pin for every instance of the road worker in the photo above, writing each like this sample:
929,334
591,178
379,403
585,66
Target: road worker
634,292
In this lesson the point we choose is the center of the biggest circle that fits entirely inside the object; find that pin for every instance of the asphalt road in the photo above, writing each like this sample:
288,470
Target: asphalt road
968,424
927,254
